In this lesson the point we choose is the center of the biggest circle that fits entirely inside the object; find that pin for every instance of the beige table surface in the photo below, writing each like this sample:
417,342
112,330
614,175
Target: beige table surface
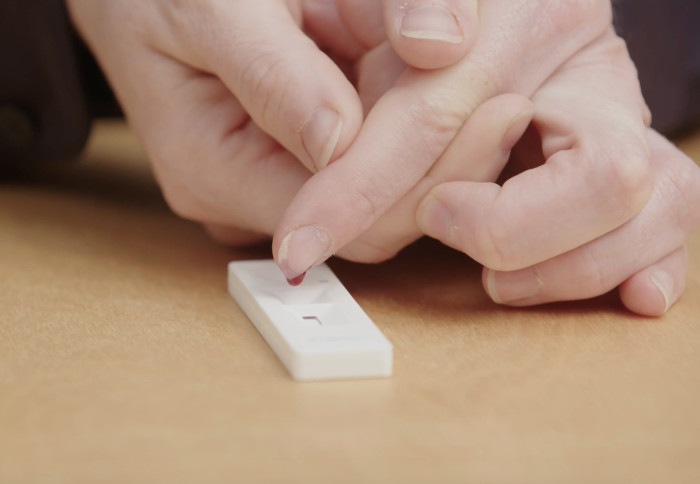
123,359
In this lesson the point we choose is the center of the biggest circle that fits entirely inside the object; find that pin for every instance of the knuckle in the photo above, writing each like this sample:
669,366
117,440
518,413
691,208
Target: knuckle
439,117
631,180
368,197
265,80
592,279
619,174
369,204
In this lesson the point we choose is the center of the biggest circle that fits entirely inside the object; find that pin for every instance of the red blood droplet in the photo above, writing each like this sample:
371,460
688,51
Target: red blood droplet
295,281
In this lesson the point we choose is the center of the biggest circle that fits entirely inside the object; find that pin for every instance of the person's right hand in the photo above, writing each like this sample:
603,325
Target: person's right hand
213,89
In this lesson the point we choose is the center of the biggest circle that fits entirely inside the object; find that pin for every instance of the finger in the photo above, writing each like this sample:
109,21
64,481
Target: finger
652,291
596,177
408,129
429,34
257,48
377,71
603,264
478,152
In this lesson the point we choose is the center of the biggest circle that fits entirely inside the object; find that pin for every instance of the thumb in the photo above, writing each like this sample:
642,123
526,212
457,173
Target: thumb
430,34
288,86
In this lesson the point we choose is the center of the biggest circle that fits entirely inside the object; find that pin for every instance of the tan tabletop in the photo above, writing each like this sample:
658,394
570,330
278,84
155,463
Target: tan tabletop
123,359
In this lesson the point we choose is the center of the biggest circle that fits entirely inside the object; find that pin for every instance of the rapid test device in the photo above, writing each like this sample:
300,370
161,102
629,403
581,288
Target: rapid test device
317,329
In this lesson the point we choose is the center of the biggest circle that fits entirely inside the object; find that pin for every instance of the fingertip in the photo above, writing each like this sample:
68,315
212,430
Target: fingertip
664,284
320,135
652,291
431,22
515,288
429,34
488,281
300,249
648,295
333,121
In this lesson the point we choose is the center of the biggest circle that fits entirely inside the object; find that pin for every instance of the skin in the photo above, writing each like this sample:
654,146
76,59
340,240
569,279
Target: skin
600,170
413,145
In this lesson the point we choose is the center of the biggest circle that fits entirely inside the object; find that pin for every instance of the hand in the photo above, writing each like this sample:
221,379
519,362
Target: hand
413,123
213,89
645,257
590,117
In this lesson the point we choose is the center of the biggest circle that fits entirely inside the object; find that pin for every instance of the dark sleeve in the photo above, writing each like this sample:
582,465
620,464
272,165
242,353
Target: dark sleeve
663,37
43,109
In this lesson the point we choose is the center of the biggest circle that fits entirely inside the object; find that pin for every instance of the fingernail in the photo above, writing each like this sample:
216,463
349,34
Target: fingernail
508,287
431,22
302,249
434,218
664,283
320,135
516,128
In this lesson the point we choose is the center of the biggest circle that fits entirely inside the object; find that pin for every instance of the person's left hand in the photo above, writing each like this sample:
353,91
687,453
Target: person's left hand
596,178
414,122
645,258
